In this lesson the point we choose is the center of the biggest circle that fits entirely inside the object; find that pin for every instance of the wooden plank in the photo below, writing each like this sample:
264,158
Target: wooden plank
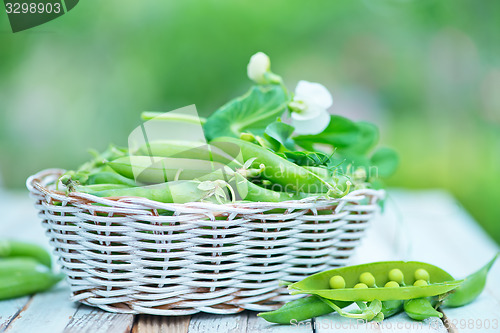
482,314
204,322
19,219
9,309
402,323
93,320
334,323
159,324
259,325
47,312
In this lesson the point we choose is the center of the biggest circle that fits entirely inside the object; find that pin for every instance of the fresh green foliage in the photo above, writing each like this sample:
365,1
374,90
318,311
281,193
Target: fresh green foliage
252,154
385,160
307,158
340,133
278,134
252,112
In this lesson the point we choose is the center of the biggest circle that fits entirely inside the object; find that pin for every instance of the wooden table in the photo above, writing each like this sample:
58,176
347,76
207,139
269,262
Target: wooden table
428,226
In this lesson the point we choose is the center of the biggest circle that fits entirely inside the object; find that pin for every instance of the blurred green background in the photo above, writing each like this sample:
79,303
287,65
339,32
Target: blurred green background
426,71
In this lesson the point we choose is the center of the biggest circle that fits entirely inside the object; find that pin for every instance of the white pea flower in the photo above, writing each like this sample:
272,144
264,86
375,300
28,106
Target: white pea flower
259,65
309,108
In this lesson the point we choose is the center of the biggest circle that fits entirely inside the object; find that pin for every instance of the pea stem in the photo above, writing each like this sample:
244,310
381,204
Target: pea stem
367,313
173,117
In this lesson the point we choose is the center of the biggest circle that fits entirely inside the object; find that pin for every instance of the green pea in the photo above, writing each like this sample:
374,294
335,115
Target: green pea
395,274
360,286
391,284
337,282
367,278
422,274
420,283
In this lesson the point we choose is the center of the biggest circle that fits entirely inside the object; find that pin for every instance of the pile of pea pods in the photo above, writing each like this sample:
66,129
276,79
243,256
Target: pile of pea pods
24,269
225,170
380,290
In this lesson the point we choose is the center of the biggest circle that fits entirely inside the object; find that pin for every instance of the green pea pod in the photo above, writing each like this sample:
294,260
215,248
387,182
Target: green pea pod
178,192
391,308
185,149
12,248
153,170
420,309
109,178
98,187
10,266
100,159
471,288
27,282
318,284
323,173
252,192
368,313
276,169
299,310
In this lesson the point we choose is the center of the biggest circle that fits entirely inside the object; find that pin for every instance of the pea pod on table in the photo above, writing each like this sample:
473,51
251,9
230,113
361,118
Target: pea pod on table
381,290
24,269
471,288
27,282
420,309
13,248
440,282
300,309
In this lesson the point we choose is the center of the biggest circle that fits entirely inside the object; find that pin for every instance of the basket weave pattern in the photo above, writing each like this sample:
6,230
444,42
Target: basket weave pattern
133,255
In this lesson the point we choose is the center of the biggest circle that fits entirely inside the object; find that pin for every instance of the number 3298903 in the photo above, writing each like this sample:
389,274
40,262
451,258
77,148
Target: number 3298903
32,8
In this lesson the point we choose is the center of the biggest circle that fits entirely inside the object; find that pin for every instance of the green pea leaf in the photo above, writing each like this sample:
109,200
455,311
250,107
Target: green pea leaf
340,133
278,134
368,138
386,161
308,158
252,112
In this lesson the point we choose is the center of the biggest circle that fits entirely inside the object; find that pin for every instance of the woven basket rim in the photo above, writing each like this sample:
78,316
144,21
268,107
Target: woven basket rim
34,183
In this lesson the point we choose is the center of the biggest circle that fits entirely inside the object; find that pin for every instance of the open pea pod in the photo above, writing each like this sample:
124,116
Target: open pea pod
439,282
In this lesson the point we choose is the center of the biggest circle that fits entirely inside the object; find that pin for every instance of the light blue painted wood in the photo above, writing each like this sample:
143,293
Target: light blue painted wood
47,312
203,322
93,320
9,309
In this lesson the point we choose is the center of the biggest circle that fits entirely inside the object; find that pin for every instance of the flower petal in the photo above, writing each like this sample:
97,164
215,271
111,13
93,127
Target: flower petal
309,112
259,64
315,93
312,126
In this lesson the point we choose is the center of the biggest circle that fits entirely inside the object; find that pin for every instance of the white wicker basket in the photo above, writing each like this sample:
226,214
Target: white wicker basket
133,255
